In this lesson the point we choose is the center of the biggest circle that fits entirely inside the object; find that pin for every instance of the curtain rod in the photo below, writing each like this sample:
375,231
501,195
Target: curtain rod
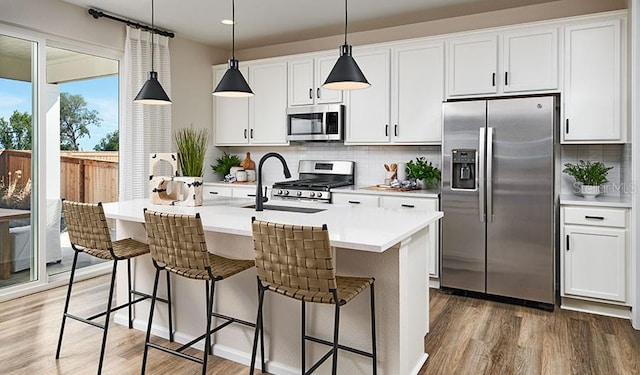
95,13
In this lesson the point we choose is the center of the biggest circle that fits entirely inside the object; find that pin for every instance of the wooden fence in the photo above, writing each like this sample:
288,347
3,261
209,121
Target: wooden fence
84,176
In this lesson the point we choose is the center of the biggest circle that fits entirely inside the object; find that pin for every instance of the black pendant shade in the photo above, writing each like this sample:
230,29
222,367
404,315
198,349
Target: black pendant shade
152,92
233,83
346,74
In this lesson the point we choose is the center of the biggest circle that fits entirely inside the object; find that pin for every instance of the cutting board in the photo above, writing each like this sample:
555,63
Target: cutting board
390,188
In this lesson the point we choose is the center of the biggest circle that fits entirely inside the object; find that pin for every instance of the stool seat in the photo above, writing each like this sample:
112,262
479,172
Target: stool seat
348,288
123,249
221,268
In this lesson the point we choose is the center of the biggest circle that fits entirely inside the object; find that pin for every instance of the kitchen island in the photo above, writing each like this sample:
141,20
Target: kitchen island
390,245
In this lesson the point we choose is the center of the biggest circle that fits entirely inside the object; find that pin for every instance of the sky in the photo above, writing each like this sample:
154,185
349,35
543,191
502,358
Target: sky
100,94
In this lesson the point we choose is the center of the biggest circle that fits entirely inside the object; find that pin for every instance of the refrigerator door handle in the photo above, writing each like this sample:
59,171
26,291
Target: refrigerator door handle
481,173
489,175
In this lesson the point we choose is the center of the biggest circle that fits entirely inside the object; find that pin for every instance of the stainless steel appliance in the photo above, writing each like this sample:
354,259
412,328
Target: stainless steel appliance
316,179
499,197
315,123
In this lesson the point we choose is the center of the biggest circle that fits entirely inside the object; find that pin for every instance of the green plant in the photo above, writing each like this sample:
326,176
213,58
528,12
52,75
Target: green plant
224,164
588,173
192,145
424,170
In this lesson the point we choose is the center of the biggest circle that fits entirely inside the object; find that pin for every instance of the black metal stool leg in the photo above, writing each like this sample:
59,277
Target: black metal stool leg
130,291
213,293
66,302
259,328
107,316
373,330
262,367
148,336
303,331
207,349
169,306
336,329
207,338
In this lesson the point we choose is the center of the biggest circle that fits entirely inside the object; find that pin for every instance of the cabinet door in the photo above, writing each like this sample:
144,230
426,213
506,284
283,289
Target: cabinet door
301,82
594,262
368,111
592,92
417,93
355,199
210,192
472,66
267,109
324,64
427,204
231,115
530,60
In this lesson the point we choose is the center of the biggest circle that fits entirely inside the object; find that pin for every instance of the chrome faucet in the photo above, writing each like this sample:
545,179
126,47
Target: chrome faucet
260,199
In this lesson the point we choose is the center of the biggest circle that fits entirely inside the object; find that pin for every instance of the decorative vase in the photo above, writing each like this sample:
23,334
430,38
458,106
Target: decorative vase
421,183
590,191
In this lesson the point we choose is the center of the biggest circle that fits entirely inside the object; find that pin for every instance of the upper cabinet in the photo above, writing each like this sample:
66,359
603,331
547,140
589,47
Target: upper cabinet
306,76
510,62
260,119
594,109
404,103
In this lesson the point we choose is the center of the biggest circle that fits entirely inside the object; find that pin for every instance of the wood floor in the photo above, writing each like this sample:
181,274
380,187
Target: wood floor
468,336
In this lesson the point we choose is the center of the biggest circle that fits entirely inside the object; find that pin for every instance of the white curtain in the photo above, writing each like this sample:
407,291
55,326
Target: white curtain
144,128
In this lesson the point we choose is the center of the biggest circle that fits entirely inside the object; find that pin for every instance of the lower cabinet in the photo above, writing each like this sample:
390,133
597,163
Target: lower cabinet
406,203
594,253
212,191
229,190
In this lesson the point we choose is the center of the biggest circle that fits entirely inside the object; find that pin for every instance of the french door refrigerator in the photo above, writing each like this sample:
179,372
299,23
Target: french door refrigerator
499,197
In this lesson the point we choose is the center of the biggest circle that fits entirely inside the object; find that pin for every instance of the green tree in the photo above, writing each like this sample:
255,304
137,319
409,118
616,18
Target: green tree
15,134
75,119
109,142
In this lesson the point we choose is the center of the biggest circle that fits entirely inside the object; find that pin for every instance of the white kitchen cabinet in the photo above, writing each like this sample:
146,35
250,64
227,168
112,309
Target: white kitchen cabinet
231,115
267,108
260,119
427,204
213,191
594,252
306,77
404,103
593,87
355,199
510,62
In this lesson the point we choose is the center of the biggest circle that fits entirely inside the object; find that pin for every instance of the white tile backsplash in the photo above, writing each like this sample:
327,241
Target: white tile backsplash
369,160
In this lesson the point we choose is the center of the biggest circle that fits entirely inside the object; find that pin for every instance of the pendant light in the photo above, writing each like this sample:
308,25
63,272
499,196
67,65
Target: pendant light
152,91
346,75
233,83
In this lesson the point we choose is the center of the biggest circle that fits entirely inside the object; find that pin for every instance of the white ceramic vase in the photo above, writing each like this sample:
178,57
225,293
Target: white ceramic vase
590,191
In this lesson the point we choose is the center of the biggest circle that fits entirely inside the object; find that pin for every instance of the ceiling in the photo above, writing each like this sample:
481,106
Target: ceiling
267,22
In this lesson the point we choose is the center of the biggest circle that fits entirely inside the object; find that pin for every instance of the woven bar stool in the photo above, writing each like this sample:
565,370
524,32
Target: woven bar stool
177,245
296,261
89,233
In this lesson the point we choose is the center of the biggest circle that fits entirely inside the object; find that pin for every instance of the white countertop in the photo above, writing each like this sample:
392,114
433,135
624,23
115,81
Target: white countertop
430,193
602,201
361,228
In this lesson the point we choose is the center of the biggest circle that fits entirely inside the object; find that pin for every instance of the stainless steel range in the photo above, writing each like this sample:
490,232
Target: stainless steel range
317,178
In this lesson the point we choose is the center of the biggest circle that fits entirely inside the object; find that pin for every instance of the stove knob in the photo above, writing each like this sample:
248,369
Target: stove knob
286,192
279,192
319,195
299,193
312,194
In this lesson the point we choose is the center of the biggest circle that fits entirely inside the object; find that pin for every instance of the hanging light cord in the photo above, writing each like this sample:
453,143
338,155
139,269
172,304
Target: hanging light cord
152,34
345,21
233,29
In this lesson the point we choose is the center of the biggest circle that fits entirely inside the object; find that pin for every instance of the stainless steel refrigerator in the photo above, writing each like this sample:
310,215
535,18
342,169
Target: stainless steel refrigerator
499,197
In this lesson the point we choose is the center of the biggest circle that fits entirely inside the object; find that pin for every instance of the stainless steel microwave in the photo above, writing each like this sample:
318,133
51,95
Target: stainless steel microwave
316,123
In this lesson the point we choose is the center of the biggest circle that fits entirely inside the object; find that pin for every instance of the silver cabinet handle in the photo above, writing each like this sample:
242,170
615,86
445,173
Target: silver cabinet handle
481,167
489,174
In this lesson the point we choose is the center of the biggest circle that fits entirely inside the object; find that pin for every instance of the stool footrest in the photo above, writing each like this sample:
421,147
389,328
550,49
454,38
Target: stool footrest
233,320
176,352
145,295
343,347
320,362
89,321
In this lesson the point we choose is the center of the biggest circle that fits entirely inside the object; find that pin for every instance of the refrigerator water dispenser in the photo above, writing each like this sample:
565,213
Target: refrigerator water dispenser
463,169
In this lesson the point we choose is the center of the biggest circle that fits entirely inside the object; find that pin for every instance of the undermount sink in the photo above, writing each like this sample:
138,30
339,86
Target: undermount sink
304,210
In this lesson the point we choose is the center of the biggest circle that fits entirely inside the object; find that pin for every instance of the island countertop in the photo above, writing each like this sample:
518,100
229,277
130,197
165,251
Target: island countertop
361,228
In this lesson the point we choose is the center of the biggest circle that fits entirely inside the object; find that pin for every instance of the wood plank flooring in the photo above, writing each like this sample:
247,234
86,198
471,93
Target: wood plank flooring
468,336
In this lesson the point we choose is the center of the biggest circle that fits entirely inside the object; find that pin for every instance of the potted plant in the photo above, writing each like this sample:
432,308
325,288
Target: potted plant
423,172
589,175
192,146
224,164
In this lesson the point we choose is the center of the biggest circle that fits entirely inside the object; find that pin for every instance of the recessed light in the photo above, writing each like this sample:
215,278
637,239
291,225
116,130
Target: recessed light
226,22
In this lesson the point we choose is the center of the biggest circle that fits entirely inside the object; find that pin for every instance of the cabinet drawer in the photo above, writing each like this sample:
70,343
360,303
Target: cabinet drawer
355,200
602,217
210,192
244,192
403,202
